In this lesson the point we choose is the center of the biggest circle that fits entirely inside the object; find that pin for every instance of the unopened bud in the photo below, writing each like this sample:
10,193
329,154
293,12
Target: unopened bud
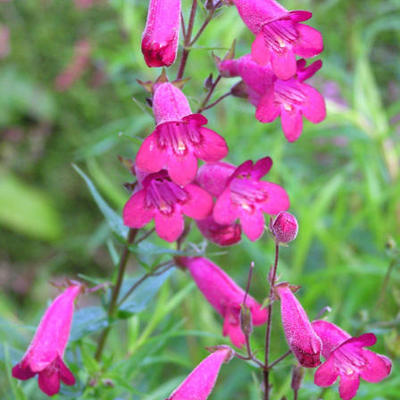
297,377
246,322
240,90
208,82
284,227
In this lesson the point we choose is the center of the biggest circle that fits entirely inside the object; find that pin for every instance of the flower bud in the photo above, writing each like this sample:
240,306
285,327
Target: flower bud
284,227
246,322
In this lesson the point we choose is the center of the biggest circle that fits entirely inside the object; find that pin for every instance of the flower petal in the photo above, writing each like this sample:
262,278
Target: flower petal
65,373
22,371
314,108
233,330
135,213
259,52
300,15
214,177
292,124
199,203
278,199
150,157
377,368
252,224
182,169
284,65
49,381
348,386
261,168
310,42
169,226
267,111
213,146
326,374
224,211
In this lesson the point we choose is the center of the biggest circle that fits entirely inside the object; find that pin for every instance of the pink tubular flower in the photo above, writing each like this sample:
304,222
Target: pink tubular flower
241,194
165,201
161,34
179,138
223,235
290,99
346,358
45,353
224,295
302,340
201,381
280,36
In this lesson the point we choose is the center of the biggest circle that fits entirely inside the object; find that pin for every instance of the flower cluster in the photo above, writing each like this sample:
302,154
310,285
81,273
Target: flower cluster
345,356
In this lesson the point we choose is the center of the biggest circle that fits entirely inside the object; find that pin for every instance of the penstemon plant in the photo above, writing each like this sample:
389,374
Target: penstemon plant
224,200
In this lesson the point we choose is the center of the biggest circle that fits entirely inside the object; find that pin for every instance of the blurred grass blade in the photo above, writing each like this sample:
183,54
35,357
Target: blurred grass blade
27,210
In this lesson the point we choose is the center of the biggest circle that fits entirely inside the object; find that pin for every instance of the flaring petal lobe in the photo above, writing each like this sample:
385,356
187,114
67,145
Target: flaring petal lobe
284,65
252,224
150,157
213,146
169,226
182,169
292,124
310,42
135,214
314,108
199,203
348,386
278,199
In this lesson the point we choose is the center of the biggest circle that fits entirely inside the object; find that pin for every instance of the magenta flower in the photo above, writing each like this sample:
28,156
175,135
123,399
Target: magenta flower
346,358
224,295
301,338
179,138
290,99
201,381
284,227
165,201
45,353
241,194
223,235
161,34
280,36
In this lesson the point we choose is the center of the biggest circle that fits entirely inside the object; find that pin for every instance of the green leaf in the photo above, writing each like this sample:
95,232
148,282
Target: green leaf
149,254
88,320
28,210
113,219
142,295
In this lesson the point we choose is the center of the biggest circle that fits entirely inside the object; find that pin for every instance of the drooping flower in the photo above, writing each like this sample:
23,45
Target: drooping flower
290,99
201,381
160,198
347,359
161,34
45,353
242,195
179,138
302,340
223,235
224,295
280,35
284,227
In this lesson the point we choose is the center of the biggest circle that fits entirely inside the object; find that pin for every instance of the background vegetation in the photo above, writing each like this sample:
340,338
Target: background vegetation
342,177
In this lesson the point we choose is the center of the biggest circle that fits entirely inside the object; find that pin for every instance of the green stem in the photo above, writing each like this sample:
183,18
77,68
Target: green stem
115,292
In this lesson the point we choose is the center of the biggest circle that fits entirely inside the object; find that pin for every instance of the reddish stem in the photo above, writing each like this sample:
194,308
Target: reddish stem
269,322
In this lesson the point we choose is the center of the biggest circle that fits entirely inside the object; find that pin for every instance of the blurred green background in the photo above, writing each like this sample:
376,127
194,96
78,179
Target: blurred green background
342,177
